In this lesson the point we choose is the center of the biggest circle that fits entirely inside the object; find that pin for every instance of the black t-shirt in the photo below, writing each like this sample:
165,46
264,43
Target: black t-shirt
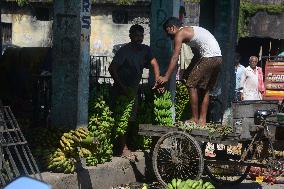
131,60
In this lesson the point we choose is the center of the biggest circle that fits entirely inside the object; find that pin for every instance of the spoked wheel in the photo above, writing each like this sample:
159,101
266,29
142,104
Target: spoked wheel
177,155
222,163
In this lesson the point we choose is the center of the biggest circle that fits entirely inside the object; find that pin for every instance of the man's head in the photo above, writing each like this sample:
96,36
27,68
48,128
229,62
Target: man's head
253,60
237,59
171,26
136,33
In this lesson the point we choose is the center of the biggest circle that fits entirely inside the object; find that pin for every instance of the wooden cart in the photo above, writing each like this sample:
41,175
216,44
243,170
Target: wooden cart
226,159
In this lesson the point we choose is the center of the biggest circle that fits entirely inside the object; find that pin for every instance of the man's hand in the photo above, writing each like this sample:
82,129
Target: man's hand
242,96
162,80
160,88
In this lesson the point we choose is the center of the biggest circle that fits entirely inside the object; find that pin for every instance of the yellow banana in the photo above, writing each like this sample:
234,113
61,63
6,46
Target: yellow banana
62,144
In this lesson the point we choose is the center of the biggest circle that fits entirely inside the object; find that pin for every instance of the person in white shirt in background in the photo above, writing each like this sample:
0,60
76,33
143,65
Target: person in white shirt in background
239,70
252,81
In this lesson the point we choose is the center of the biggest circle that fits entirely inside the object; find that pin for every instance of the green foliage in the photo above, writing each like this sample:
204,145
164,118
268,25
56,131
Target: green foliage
249,9
182,102
22,2
162,109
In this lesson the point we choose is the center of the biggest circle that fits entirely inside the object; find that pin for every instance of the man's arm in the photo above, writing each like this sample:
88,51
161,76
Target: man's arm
156,68
242,82
174,59
113,68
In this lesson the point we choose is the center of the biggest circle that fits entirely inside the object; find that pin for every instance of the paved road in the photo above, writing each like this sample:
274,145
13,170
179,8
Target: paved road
253,186
249,184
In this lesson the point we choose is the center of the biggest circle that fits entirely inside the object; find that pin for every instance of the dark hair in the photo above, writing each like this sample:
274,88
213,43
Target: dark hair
172,21
136,27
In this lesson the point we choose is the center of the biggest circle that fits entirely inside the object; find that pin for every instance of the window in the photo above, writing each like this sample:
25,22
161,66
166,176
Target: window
42,13
6,33
120,17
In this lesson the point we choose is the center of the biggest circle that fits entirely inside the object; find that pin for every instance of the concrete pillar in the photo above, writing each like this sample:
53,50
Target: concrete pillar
70,68
225,31
160,43
0,29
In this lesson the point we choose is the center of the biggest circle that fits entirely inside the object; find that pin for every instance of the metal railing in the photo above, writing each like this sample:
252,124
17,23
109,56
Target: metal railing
16,158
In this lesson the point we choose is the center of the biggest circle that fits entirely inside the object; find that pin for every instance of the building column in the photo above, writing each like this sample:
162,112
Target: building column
161,45
225,31
70,67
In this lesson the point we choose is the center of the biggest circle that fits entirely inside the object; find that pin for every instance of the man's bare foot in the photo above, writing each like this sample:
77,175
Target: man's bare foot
202,123
190,122
128,155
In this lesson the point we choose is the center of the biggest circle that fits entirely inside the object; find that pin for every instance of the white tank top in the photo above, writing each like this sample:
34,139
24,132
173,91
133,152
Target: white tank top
205,42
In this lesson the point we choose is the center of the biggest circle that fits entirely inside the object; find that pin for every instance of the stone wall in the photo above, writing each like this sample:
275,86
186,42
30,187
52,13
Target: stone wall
267,26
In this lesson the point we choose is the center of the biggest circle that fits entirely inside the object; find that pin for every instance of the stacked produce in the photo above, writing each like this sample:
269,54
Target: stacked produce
189,184
100,126
123,111
64,158
162,109
182,102
144,116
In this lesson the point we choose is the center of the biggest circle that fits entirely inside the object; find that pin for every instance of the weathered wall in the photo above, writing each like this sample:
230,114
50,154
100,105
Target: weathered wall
27,31
265,25
105,33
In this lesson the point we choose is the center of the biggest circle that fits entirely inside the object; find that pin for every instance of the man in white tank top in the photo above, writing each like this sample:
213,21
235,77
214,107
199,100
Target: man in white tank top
203,71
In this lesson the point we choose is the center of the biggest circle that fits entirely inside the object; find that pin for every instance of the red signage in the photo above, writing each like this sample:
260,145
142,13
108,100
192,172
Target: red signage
274,80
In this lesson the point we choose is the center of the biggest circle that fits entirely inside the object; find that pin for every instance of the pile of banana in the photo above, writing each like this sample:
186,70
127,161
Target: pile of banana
64,158
189,184
162,109
123,110
100,126
182,102
71,140
144,116
59,162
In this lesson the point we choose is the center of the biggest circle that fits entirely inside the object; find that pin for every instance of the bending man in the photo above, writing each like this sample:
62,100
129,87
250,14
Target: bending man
202,74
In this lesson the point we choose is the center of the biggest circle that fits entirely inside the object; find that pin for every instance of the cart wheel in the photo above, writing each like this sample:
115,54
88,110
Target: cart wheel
177,155
221,163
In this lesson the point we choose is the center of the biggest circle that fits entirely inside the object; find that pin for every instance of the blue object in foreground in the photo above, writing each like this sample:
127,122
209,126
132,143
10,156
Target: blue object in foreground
27,183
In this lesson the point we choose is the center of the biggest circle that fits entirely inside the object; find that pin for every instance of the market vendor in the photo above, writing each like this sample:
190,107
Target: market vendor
126,69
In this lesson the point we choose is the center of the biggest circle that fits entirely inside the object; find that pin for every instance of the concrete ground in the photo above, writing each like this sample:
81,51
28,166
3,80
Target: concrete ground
121,171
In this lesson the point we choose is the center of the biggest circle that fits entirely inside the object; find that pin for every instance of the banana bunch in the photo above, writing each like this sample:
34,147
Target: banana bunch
123,110
60,163
71,139
162,109
92,161
189,184
100,127
182,102
83,152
